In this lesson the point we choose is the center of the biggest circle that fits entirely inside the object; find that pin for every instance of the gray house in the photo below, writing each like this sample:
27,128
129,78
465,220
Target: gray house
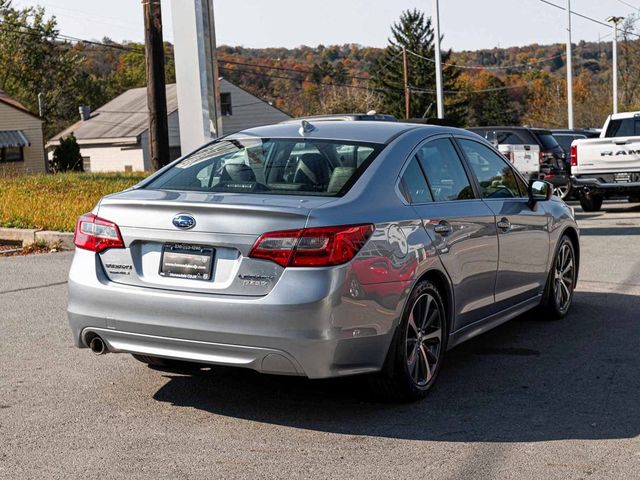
115,137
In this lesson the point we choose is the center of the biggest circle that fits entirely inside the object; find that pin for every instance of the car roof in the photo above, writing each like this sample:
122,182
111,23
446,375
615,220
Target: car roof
623,115
346,117
498,127
370,131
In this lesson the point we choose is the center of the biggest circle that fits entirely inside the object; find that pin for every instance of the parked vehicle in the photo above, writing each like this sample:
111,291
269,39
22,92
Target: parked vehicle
515,142
608,166
325,249
565,137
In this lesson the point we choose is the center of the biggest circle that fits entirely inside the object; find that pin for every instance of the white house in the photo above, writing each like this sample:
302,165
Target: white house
115,137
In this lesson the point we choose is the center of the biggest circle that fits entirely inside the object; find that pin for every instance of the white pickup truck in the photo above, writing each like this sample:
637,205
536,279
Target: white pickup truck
608,166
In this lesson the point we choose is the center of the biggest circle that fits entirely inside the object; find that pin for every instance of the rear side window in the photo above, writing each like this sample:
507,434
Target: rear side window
495,177
444,170
413,184
624,127
271,166
507,138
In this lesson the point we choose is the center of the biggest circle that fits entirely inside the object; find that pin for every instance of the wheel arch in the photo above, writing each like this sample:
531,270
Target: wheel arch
572,233
441,281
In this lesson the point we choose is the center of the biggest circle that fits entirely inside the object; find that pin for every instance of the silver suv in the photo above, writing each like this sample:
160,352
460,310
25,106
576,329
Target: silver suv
323,250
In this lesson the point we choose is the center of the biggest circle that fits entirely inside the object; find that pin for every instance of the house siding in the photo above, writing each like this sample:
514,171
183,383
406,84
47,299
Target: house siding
248,111
109,158
14,119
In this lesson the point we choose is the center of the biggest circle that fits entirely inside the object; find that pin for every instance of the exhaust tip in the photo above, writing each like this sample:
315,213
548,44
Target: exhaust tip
98,346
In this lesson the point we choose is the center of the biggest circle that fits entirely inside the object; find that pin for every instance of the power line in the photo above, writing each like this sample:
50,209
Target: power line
588,18
629,5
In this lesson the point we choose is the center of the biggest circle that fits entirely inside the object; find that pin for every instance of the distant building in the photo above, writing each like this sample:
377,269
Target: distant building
115,137
21,139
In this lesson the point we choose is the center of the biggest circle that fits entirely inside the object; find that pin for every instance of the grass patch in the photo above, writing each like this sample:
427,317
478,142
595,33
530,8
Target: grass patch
54,202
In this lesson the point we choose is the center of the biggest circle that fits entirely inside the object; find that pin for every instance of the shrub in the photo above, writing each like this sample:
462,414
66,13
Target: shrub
66,156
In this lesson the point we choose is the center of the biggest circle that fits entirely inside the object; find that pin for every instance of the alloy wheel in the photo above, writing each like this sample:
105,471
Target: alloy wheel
564,277
562,191
424,339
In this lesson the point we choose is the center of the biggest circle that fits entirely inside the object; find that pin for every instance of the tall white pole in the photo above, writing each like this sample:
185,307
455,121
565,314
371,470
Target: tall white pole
615,67
569,70
196,72
439,94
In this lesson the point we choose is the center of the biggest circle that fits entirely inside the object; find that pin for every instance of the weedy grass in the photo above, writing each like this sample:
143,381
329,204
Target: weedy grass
54,202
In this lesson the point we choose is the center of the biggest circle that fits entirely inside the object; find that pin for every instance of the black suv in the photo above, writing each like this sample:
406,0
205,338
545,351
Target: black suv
554,164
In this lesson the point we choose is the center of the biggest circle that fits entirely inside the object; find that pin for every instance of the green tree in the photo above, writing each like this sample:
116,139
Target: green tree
66,156
33,60
414,32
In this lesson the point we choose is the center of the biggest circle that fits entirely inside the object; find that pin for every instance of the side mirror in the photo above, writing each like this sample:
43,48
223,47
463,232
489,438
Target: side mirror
539,191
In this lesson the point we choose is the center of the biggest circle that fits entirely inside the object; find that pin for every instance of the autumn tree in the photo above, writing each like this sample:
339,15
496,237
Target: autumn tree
488,101
414,32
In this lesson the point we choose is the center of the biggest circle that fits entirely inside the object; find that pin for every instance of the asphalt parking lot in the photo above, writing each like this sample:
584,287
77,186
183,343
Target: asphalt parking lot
531,399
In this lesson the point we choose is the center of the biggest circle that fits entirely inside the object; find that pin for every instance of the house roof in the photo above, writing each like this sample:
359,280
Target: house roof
123,118
12,102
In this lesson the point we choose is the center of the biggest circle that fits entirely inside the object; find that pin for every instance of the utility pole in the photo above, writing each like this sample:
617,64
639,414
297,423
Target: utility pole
439,94
407,91
615,21
41,104
569,70
156,89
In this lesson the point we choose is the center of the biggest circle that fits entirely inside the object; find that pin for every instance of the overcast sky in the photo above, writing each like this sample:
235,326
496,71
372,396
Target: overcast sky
466,24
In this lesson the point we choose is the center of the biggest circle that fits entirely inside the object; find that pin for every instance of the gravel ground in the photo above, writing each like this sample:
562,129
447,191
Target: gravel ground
531,399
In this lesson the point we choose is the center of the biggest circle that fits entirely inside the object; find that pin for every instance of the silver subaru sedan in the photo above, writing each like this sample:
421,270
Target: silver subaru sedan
322,249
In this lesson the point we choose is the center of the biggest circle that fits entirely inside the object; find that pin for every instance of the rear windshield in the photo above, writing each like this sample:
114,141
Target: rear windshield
271,165
624,127
565,140
548,141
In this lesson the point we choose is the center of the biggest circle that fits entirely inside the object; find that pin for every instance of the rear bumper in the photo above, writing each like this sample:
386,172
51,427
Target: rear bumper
598,186
306,325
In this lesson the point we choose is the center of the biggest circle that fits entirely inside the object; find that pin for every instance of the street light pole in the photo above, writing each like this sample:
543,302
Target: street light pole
615,21
569,70
439,93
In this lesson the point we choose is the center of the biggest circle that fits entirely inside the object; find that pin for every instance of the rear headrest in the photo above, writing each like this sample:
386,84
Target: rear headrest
237,172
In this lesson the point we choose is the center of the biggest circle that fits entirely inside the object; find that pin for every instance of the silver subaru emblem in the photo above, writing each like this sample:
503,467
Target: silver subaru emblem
184,221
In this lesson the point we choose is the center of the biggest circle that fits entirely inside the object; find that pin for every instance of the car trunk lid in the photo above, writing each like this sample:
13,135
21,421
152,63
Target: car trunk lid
226,227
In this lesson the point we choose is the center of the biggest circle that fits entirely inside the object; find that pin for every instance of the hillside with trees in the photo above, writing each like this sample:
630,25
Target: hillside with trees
515,85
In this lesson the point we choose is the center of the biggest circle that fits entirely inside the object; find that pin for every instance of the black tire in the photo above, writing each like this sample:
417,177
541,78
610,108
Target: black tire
161,363
398,380
591,203
562,278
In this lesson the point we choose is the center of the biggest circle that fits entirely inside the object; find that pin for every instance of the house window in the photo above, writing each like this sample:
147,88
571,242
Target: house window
12,154
86,164
225,104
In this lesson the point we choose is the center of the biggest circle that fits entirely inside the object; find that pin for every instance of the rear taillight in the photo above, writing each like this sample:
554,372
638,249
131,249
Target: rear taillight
574,156
96,234
312,247
509,156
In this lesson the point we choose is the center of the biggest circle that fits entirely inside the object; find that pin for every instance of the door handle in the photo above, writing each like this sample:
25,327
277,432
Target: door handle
443,228
504,224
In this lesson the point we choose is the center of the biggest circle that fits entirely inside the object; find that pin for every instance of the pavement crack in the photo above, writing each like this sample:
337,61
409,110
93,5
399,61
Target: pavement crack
47,285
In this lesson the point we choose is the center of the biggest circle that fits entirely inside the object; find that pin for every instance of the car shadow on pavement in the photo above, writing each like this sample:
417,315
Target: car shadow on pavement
528,380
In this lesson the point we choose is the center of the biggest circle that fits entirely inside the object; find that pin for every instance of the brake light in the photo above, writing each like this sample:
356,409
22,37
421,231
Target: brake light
574,155
96,234
312,247
509,156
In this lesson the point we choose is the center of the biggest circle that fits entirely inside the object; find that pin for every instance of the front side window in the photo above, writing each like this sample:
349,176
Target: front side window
495,176
271,166
444,171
